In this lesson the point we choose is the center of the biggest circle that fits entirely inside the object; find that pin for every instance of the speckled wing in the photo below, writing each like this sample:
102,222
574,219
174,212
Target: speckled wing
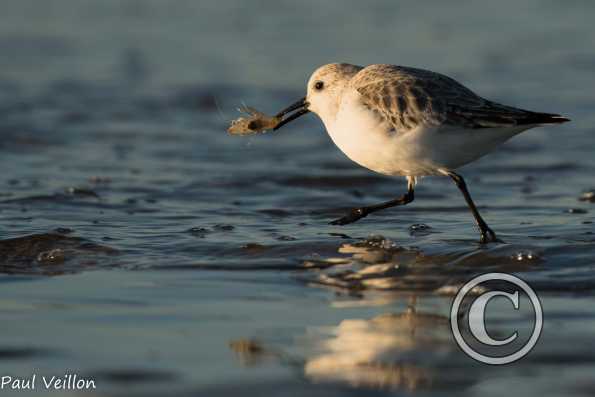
406,98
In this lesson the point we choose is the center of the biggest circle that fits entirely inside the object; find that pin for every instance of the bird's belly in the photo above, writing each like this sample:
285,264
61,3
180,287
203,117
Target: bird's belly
418,152
373,145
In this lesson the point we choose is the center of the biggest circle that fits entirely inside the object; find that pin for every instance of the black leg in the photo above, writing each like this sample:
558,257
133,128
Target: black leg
487,234
358,213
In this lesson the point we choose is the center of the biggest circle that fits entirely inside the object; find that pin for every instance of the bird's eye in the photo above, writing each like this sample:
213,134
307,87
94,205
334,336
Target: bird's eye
319,85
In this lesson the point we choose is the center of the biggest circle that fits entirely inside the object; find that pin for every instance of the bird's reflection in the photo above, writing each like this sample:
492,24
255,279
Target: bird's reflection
405,351
387,351
410,349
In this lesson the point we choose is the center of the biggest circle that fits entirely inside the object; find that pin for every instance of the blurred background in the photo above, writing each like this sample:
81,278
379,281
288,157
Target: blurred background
145,248
240,43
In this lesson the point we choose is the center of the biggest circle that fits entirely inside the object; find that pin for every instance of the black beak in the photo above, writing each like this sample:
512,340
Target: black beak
302,108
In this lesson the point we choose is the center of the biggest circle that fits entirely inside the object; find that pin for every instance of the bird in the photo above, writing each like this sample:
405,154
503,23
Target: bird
409,122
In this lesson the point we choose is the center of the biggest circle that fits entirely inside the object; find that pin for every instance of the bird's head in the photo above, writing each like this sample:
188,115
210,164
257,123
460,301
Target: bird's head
323,92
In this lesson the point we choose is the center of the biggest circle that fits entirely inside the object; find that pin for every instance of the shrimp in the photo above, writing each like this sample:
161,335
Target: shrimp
256,122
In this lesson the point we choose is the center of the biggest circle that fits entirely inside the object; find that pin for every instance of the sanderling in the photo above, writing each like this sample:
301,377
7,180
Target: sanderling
411,122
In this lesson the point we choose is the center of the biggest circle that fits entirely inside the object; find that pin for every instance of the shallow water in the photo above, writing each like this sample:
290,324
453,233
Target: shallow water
142,246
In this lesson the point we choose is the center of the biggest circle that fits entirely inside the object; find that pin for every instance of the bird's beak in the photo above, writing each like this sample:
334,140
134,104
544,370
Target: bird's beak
302,108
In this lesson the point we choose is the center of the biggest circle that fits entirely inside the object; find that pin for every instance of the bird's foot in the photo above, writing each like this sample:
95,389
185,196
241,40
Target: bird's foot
354,215
488,236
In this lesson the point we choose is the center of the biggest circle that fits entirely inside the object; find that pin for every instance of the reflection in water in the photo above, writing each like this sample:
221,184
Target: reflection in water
250,352
388,351
408,351
377,263
412,350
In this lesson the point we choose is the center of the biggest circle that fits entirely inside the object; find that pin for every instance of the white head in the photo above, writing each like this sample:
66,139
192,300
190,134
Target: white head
323,92
325,87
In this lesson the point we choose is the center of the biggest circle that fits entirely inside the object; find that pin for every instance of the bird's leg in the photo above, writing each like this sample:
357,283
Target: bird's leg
487,234
358,213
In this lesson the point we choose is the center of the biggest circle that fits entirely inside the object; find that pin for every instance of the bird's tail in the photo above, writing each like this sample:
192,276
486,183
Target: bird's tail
544,118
